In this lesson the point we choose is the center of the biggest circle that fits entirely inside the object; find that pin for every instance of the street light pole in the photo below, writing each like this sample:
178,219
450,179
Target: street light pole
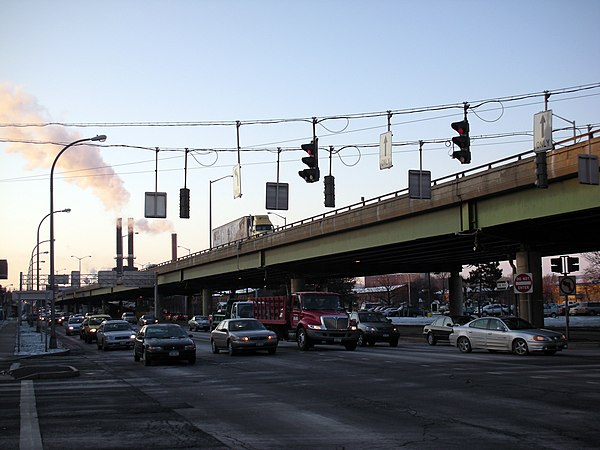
280,216
100,138
80,258
185,248
210,207
67,210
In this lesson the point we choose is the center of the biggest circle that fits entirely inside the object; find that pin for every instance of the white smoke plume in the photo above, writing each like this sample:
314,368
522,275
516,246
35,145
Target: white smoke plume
82,165
154,227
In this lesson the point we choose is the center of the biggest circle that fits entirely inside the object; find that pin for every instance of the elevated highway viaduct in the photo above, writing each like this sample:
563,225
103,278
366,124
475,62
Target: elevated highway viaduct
488,213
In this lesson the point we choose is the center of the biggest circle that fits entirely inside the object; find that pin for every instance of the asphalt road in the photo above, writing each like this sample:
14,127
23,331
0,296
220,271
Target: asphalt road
414,396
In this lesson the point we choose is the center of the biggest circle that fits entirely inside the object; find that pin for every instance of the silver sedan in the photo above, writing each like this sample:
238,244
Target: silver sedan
511,334
236,335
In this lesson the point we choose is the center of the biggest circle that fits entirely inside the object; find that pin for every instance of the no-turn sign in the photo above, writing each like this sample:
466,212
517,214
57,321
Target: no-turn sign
523,283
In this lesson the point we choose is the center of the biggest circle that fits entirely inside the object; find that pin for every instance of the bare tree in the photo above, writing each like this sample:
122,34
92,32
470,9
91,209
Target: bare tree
592,273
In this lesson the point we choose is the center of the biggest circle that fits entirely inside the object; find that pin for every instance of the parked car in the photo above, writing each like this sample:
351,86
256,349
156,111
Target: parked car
90,325
147,319
73,325
410,311
585,309
511,334
562,307
163,341
495,310
115,334
197,323
441,327
550,310
236,335
374,327
129,317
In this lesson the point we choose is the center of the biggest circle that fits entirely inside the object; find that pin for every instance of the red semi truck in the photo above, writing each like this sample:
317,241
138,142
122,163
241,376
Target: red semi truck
309,318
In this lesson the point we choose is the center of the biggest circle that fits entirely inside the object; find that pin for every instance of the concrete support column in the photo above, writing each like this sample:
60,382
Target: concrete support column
455,291
158,307
297,284
189,306
206,301
531,306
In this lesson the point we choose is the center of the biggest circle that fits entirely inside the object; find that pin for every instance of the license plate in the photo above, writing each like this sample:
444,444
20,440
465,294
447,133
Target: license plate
174,353
259,344
337,339
386,335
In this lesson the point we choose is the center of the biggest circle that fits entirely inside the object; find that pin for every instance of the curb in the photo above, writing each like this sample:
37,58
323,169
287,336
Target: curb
42,372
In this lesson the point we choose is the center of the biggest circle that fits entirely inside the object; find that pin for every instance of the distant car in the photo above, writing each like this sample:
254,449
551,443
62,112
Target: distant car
90,325
374,327
147,319
495,310
441,327
511,334
197,323
550,310
163,341
73,325
562,307
115,334
236,335
410,311
585,309
129,317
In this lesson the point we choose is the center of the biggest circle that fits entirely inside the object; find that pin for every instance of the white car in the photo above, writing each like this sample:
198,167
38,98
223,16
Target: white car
115,334
73,325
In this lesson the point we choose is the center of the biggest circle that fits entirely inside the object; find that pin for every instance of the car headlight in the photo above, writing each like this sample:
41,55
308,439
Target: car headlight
190,347
353,328
240,338
92,330
132,337
314,327
540,338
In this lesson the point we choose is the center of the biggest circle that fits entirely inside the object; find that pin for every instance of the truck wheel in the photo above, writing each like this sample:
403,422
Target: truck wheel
361,339
302,340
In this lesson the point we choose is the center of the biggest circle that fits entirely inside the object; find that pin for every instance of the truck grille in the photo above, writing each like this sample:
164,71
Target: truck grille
335,322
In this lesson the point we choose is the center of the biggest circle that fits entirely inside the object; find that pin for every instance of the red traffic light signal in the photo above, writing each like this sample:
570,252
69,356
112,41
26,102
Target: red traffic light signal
311,174
462,141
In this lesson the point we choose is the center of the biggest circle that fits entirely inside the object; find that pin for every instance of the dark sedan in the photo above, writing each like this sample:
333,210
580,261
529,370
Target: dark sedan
163,341
374,327
147,319
441,327
236,335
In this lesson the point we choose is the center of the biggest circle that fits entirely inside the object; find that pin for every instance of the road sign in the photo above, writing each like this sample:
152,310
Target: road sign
385,150
502,285
523,283
568,285
542,131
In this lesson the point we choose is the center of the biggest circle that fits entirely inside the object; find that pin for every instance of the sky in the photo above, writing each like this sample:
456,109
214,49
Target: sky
160,77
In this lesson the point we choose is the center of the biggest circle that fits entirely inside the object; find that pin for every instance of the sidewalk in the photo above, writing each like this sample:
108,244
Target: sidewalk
28,343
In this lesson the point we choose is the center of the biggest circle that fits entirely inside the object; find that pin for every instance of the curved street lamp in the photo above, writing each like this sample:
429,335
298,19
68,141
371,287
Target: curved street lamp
80,258
100,138
66,210
185,248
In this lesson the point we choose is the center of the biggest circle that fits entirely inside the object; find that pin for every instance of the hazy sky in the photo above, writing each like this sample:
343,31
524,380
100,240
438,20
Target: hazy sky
177,75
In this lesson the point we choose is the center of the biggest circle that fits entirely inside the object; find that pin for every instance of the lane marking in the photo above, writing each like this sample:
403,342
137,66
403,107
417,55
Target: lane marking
30,437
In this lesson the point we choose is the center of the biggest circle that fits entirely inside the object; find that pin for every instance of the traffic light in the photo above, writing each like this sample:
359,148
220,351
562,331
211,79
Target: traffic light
556,265
462,141
311,174
329,191
572,264
184,203
541,170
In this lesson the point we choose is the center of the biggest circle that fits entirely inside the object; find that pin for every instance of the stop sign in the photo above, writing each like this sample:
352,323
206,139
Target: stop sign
523,283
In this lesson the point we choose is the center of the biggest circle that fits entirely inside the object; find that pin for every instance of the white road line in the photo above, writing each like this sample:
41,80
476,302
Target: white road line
30,438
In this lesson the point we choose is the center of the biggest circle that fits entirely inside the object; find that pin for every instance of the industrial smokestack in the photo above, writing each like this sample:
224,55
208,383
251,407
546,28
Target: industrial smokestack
174,246
130,256
119,256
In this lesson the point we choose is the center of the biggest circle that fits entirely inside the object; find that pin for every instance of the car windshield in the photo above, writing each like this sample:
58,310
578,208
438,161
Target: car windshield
371,317
97,320
516,323
117,327
76,320
165,332
245,325
320,302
